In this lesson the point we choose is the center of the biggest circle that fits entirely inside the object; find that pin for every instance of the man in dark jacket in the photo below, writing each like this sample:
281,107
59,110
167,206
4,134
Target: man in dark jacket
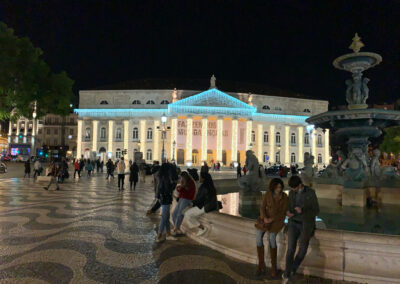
302,210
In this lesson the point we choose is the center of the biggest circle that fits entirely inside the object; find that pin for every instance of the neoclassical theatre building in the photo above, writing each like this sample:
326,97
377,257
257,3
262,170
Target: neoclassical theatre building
195,126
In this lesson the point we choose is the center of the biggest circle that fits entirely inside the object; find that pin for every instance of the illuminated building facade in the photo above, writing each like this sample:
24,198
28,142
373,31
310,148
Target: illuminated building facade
212,126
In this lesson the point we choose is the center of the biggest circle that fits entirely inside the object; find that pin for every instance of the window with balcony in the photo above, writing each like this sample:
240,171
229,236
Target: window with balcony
265,136
278,138
293,158
307,139
293,139
118,134
103,133
135,133
149,134
149,155
319,140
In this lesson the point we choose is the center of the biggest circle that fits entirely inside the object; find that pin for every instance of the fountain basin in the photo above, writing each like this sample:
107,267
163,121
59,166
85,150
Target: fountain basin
357,61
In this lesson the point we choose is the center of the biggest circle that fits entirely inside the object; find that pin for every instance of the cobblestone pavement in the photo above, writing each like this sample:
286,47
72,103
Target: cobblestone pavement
88,232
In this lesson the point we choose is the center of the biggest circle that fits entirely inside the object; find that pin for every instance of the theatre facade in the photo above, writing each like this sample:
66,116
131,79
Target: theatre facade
189,127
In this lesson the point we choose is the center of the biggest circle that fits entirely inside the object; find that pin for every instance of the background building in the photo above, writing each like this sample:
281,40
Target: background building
199,126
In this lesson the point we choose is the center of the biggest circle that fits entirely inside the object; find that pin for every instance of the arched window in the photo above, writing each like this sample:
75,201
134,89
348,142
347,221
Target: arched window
118,133
118,153
319,159
278,108
266,157
149,155
293,139
253,136
104,102
135,133
103,133
266,107
278,157
319,140
136,102
266,137
150,102
149,134
307,139
306,110
278,138
87,133
164,102
293,158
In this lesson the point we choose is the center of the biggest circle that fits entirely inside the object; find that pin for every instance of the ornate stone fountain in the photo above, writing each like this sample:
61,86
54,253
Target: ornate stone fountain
358,123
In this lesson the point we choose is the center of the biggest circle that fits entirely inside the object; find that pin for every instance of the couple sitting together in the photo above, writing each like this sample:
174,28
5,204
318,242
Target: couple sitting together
188,206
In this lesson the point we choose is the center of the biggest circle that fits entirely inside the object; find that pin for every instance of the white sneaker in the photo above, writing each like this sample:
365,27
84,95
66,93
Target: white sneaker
171,238
201,232
179,232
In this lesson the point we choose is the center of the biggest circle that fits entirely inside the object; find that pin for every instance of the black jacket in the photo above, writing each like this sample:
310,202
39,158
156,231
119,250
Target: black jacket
165,189
206,198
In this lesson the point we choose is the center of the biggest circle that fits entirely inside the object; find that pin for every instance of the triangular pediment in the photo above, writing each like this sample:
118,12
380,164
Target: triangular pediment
213,98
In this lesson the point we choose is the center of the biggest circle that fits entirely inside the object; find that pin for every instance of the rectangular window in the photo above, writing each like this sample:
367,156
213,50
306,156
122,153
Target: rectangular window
71,131
56,131
48,131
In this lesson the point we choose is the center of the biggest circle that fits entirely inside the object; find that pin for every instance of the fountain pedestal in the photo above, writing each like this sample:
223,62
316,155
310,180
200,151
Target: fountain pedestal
354,197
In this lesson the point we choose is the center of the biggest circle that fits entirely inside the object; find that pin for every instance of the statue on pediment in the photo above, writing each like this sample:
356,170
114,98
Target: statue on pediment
212,82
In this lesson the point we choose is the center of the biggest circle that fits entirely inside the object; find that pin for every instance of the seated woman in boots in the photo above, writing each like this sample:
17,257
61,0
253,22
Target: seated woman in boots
272,217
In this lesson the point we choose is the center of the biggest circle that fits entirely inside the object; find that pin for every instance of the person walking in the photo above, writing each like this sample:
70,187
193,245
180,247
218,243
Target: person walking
186,190
302,210
110,169
98,165
77,168
81,166
54,173
101,166
205,201
272,219
133,174
121,173
27,169
239,171
37,168
244,170
166,187
89,168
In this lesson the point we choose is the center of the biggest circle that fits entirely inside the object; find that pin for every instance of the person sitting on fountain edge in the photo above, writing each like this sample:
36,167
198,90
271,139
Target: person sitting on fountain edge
302,210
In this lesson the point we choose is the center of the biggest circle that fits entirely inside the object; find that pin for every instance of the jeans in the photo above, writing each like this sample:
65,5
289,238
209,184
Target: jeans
121,179
177,215
296,233
156,205
271,238
36,173
164,223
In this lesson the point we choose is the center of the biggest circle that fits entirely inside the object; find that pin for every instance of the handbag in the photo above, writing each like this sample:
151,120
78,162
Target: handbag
261,225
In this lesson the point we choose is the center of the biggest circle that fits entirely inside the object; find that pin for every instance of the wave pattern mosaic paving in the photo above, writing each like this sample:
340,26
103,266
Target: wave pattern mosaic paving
88,232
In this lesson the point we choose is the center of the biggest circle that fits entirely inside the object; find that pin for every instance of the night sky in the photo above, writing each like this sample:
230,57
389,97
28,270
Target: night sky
282,44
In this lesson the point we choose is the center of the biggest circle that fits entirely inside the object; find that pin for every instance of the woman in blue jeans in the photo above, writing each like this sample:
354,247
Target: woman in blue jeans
272,216
166,186
186,190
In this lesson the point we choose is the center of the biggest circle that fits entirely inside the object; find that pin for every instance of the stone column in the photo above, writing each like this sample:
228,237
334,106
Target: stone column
204,135
143,137
18,128
26,128
300,143
9,128
189,138
234,140
79,140
219,139
287,145
327,150
271,141
126,137
249,129
33,127
314,145
110,137
174,129
260,143
156,140
95,124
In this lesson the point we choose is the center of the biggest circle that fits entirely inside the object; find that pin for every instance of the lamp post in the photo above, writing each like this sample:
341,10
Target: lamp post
163,121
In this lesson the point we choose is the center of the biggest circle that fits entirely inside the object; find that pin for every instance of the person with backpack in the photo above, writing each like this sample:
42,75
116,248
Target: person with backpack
89,168
166,187
121,173
205,202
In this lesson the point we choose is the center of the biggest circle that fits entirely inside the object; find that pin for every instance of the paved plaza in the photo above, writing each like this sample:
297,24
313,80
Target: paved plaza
88,232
